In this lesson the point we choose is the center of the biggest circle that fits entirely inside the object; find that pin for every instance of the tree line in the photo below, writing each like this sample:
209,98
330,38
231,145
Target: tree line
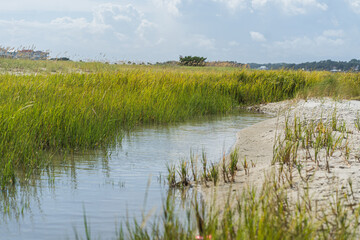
326,65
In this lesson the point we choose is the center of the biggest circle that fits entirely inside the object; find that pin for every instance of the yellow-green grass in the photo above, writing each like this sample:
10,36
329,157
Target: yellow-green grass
41,114
44,114
254,213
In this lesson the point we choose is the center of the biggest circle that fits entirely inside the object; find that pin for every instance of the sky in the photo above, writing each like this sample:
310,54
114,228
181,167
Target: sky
245,31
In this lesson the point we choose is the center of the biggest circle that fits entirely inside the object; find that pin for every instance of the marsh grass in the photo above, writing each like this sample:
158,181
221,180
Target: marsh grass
234,158
90,105
245,165
225,171
318,139
204,174
42,115
194,162
179,177
257,213
184,174
265,212
214,173
171,176
357,121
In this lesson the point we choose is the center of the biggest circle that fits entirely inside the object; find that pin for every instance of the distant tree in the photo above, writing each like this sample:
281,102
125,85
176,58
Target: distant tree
192,61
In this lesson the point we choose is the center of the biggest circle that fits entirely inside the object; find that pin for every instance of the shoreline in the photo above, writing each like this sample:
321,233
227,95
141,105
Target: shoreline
256,143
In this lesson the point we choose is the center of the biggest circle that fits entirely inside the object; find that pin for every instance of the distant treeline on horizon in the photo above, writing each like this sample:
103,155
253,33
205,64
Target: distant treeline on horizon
326,65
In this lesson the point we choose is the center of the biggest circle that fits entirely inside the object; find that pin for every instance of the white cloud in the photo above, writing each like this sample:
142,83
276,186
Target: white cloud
295,7
323,40
354,5
79,24
110,22
292,7
143,27
200,41
127,23
171,6
257,37
233,44
162,29
295,43
232,5
22,23
120,36
48,5
258,3
110,12
329,38
333,33
148,32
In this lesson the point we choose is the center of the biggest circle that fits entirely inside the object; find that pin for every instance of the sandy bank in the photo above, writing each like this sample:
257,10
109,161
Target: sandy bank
256,143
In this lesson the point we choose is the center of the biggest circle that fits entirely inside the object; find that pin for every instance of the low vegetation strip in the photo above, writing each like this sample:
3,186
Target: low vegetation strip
41,114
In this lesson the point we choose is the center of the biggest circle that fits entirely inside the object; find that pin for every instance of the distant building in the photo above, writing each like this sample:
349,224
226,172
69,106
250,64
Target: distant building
7,53
334,70
31,54
23,54
263,68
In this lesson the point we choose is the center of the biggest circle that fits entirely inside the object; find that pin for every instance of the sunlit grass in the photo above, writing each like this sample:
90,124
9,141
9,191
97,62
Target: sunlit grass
89,105
255,213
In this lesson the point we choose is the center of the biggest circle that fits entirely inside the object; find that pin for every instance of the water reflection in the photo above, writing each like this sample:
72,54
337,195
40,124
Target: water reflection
111,184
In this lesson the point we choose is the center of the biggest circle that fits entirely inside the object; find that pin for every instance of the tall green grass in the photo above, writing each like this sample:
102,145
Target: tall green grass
255,213
42,114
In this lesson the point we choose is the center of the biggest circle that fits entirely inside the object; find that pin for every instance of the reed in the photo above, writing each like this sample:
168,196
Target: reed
204,174
214,173
171,177
184,174
357,122
193,162
225,171
246,166
257,213
234,158
79,106
318,139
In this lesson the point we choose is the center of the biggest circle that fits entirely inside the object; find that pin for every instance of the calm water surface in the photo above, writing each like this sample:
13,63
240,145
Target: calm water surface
109,186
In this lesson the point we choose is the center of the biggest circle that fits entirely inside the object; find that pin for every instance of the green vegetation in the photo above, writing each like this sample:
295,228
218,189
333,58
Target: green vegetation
50,113
270,212
48,108
192,61
256,213
306,141
326,65
89,105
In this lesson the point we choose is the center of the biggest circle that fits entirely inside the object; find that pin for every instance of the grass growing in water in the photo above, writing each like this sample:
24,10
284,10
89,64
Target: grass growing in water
257,213
44,114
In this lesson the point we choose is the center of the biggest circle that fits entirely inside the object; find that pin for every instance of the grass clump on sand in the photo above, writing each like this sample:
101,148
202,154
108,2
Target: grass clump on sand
256,213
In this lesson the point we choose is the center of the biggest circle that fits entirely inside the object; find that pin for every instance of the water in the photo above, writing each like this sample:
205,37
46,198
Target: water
110,186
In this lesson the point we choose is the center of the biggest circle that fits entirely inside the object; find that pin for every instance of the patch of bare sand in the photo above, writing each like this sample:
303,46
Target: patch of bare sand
256,143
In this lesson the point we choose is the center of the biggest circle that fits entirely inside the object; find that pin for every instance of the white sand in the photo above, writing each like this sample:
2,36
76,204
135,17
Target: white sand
256,144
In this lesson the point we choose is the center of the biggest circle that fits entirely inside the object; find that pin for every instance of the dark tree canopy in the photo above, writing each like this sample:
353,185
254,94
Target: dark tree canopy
192,61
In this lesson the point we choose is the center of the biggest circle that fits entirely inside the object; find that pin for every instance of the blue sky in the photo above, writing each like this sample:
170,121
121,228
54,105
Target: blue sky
160,30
